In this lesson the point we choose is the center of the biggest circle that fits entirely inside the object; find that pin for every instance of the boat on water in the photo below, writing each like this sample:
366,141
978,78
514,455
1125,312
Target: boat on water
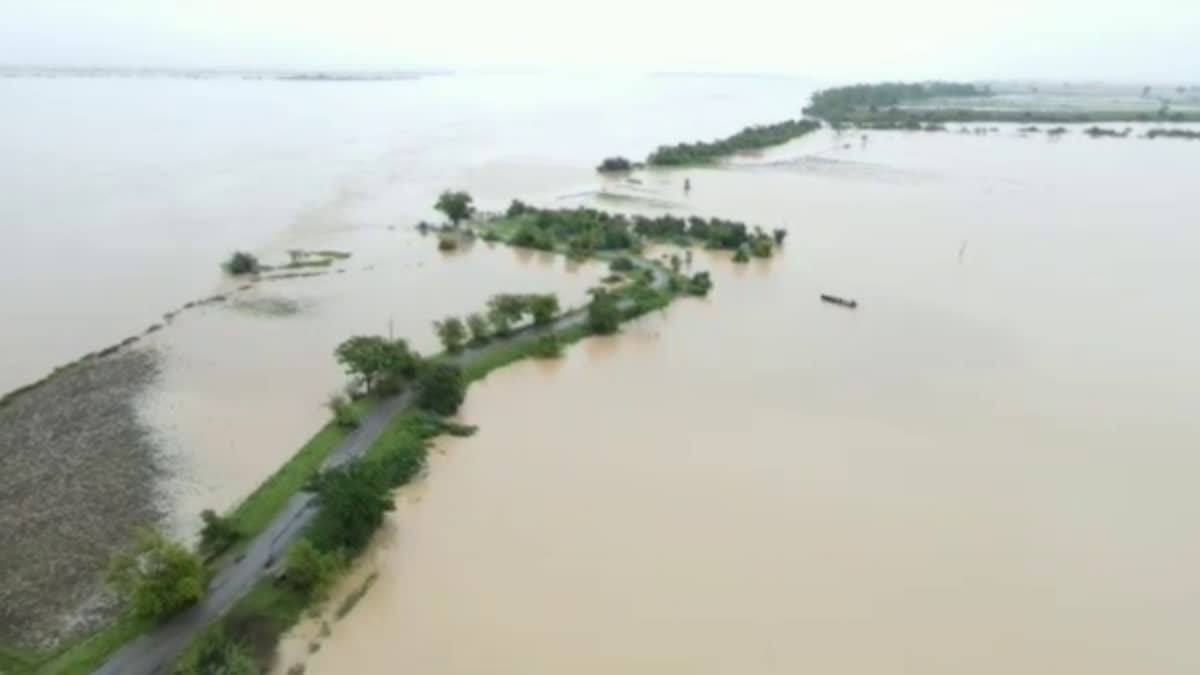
842,302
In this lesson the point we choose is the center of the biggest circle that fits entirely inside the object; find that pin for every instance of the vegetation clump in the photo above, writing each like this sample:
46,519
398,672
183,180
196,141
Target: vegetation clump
1101,132
345,415
242,263
158,577
379,364
456,205
1173,133
441,387
217,534
614,165
750,138
603,312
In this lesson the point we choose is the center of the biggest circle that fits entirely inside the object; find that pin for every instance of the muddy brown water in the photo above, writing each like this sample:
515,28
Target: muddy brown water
987,468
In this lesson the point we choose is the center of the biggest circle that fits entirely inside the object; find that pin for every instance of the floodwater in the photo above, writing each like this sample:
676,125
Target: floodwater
987,468
113,218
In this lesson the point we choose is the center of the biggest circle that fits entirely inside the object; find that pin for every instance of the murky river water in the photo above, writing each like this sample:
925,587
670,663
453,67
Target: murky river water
986,468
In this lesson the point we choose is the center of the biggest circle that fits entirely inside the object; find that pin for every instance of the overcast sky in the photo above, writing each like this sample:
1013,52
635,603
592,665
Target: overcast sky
1099,39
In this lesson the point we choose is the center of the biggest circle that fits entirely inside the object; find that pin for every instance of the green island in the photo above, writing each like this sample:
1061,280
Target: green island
748,139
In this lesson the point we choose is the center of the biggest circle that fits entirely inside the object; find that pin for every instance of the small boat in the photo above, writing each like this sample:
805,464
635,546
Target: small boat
835,300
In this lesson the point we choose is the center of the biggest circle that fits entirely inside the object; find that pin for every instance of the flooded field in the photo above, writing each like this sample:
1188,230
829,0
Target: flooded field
986,468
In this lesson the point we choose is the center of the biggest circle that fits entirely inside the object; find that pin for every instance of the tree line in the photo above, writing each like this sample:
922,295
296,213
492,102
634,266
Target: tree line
838,102
750,138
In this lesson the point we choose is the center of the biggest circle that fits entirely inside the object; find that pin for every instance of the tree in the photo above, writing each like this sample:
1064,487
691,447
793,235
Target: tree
543,308
603,314
780,234
478,327
242,263
440,388
700,284
676,263
158,577
452,332
309,570
377,360
504,310
456,205
354,499
218,532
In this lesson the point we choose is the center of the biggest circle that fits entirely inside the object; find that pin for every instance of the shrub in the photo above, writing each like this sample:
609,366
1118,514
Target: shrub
447,242
742,255
614,164
241,263
546,347
478,328
217,534
543,308
761,247
452,332
158,577
603,314
354,499
343,411
621,264
700,284
441,388
309,570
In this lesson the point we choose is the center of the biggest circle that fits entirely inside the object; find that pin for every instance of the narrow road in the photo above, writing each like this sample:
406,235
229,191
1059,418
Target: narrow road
156,650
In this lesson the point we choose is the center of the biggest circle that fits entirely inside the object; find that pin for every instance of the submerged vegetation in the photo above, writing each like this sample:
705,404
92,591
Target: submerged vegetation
241,263
750,138
615,165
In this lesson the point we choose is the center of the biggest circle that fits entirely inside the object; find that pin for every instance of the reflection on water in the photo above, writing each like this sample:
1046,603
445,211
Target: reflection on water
987,468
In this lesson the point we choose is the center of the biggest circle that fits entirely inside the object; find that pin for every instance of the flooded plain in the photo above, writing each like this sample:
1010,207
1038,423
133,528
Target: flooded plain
986,468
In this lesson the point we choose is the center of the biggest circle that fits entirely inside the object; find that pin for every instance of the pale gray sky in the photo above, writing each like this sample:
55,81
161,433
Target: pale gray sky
872,39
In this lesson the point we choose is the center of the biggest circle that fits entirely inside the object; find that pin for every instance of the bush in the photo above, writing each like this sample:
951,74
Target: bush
353,500
447,242
215,653
546,347
343,411
309,570
217,534
603,314
441,388
761,247
621,264
452,332
700,284
614,164
478,328
742,255
241,263
158,577
543,308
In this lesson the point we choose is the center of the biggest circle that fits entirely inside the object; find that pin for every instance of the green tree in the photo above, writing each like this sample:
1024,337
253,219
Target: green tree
158,577
478,327
242,263
441,388
308,569
780,234
217,534
621,264
543,308
504,310
452,332
377,361
456,205
603,314
354,499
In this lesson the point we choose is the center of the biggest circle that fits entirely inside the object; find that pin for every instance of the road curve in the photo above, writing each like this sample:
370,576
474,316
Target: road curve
156,651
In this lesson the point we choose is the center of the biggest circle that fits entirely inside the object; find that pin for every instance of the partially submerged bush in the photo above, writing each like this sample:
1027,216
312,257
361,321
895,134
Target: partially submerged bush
546,347
614,165
242,263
